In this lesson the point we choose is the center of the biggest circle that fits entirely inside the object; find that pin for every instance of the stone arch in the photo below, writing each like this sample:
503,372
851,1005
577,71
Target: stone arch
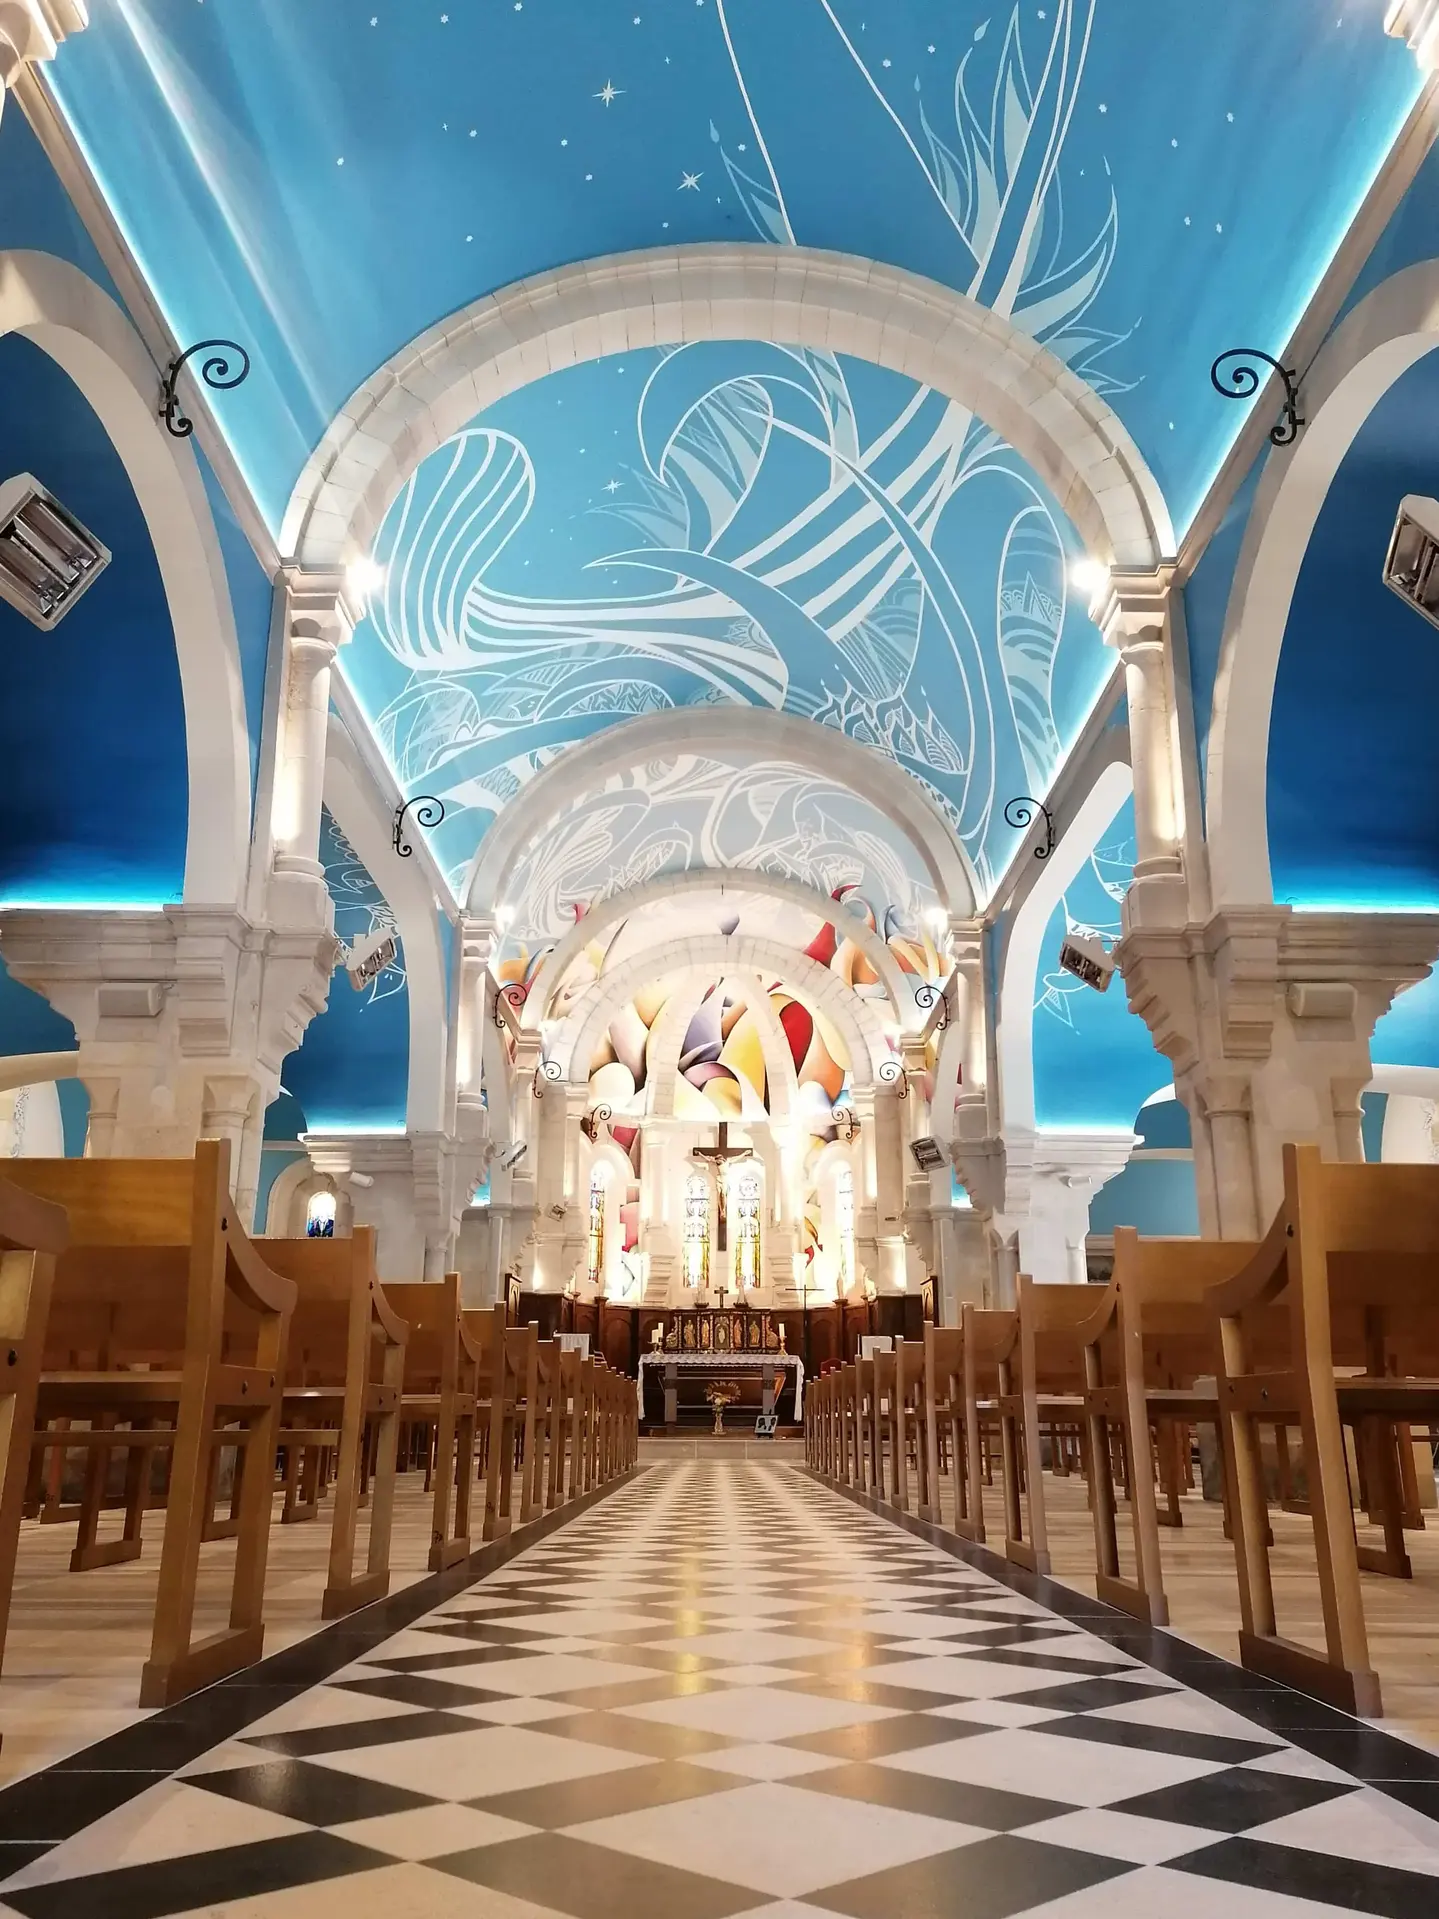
1385,335
668,1037
620,906
718,731
81,328
1019,969
854,1018
673,296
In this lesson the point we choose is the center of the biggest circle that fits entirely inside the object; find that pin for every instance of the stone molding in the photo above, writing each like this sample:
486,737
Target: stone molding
1417,23
801,296
33,30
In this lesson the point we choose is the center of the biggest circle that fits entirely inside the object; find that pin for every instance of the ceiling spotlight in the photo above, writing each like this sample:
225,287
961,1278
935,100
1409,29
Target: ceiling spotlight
936,919
365,576
504,917
1088,576
1411,566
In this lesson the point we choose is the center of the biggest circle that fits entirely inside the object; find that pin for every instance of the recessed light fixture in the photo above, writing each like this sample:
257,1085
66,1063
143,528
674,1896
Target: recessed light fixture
47,558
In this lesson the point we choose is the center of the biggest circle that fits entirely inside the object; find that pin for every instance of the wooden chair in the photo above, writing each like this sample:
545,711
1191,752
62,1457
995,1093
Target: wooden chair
344,1377
160,1274
503,1367
1353,1259
442,1365
1149,1338
945,1409
33,1232
907,1425
997,1400
867,1436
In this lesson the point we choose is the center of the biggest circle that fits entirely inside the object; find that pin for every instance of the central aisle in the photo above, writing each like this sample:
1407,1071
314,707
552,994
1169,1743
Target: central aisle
727,1691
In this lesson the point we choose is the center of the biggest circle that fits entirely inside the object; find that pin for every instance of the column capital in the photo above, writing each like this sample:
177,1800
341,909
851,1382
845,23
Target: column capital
1417,23
32,30
322,607
1132,608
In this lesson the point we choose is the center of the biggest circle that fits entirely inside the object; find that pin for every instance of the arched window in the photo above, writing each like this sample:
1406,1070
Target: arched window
697,1232
844,1224
320,1217
747,1231
599,1183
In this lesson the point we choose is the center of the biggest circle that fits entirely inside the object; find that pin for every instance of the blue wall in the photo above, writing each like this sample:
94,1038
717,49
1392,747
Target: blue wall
352,1072
1094,1062
92,726
1353,748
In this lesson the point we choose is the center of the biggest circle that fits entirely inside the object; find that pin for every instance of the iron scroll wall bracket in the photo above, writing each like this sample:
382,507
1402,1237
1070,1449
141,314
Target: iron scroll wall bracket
1021,812
927,997
1236,374
228,366
428,813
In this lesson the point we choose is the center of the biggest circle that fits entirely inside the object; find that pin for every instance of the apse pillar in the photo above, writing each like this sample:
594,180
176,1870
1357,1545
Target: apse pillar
320,618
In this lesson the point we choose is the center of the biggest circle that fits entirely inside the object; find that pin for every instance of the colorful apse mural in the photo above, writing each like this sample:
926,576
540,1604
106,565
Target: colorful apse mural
721,1071
727,524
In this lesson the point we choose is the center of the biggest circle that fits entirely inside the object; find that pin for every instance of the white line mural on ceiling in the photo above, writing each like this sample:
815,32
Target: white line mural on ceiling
738,523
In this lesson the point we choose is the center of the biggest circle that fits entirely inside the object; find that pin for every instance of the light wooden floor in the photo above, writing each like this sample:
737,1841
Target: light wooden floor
1199,1579
77,1641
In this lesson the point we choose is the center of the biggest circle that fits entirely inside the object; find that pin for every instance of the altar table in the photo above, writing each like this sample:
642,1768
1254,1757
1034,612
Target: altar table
723,1365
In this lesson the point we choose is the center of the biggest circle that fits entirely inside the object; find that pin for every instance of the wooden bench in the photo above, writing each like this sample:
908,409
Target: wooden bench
33,1232
442,1368
160,1275
907,1426
1353,1260
344,1376
503,1363
1149,1339
947,1411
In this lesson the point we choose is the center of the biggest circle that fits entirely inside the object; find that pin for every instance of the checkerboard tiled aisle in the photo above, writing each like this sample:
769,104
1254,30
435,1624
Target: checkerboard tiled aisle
729,1691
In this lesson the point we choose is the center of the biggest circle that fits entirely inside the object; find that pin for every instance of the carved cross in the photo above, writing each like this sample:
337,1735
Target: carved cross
718,1156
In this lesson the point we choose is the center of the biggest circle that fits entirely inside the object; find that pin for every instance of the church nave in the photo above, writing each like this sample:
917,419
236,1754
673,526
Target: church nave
726,1690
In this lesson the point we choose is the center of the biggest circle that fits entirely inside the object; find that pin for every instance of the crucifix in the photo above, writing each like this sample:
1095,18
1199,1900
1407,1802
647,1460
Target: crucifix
718,1156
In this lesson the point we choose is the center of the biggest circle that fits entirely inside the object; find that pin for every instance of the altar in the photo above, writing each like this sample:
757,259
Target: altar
700,1345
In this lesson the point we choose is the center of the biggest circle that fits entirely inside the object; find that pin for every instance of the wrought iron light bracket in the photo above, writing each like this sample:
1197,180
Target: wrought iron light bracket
1021,811
228,366
1235,375
428,813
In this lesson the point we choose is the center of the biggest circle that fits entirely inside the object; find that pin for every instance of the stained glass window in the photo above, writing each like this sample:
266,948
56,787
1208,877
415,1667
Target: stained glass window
697,1232
599,1181
320,1217
844,1221
747,1209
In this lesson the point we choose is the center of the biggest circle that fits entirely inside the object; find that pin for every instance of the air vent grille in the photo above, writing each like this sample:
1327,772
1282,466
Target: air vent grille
47,558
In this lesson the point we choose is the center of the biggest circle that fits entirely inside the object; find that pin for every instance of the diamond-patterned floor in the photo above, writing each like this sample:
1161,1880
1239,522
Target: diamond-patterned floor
727,1690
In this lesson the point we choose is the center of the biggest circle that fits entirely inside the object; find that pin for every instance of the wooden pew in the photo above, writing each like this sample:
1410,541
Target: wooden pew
159,1273
907,1426
1353,1260
1150,1337
343,1380
945,1407
998,1392
442,1365
33,1232
503,1366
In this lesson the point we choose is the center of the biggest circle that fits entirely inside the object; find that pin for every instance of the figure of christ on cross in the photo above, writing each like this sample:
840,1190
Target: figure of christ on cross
718,1156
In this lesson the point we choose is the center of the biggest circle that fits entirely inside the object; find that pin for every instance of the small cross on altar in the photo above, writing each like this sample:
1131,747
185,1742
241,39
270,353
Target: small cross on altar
718,1156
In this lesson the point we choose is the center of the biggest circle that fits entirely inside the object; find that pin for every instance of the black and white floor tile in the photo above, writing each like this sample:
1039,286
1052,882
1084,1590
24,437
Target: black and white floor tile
728,1691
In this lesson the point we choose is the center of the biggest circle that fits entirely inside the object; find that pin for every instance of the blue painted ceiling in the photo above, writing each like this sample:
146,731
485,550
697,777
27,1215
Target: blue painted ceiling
726,524
1140,186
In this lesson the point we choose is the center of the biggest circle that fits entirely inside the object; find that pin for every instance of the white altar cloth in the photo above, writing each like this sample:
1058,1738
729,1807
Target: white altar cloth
728,1363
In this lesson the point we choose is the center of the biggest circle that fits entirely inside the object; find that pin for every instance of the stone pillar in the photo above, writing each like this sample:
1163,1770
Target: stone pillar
320,616
413,1188
184,1019
1266,1016
32,30
1417,22
1066,1171
472,1006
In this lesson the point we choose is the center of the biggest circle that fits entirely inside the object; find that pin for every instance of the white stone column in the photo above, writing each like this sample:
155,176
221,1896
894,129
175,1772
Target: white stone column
32,30
1417,22
1066,1172
1267,1016
1133,615
320,616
